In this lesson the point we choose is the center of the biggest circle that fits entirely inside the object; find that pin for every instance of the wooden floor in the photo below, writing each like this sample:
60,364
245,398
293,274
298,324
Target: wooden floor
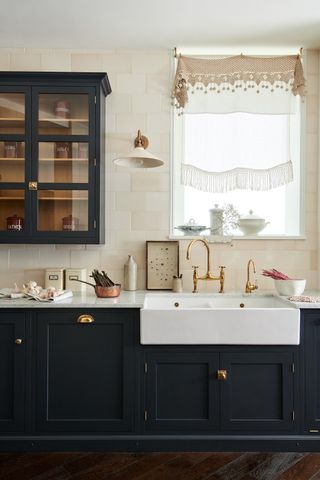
160,466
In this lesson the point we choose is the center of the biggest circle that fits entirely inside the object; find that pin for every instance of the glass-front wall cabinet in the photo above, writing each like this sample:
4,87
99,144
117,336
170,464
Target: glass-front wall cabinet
51,154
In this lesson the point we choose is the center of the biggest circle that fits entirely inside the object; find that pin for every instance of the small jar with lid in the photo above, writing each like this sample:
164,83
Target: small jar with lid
70,223
62,109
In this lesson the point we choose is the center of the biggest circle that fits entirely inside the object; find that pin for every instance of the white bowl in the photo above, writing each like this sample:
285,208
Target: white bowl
290,287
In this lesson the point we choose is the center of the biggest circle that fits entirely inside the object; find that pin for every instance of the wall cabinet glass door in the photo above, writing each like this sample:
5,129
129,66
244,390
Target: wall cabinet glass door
15,143
51,158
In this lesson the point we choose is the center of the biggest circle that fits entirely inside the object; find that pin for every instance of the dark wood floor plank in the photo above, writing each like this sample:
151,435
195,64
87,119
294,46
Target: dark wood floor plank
168,471
143,464
210,465
275,464
198,471
30,464
85,461
34,465
160,466
58,473
108,464
241,466
304,469
316,476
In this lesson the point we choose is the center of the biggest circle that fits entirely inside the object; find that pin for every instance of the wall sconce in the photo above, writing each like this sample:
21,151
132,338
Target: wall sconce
139,157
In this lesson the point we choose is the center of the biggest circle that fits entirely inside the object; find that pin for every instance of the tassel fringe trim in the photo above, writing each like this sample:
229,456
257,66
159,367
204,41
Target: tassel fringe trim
237,178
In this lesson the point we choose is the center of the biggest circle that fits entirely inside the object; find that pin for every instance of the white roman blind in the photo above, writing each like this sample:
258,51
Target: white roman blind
240,136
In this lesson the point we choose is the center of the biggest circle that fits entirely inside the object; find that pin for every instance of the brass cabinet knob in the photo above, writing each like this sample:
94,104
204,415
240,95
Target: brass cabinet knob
222,374
85,319
33,185
18,341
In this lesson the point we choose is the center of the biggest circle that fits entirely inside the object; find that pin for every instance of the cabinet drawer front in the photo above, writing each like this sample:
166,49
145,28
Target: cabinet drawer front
12,371
258,392
181,391
84,371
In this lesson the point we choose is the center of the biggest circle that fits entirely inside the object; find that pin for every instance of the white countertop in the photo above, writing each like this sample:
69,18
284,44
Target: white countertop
128,300
125,300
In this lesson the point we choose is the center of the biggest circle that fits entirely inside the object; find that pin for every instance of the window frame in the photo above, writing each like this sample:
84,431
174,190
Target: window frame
176,154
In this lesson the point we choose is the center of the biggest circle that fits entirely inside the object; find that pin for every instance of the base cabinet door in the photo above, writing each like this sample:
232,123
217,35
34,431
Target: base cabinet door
312,371
257,394
12,371
85,371
181,391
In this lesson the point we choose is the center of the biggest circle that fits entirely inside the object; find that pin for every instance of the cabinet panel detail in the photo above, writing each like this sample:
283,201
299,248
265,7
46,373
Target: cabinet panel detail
258,393
181,391
85,372
12,372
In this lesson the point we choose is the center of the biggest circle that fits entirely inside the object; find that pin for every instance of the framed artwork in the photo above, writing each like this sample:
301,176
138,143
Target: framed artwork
162,264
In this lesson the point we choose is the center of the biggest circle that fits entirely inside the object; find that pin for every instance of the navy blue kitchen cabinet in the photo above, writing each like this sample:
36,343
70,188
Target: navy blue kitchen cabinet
78,379
258,394
312,370
52,136
219,390
85,372
12,371
181,392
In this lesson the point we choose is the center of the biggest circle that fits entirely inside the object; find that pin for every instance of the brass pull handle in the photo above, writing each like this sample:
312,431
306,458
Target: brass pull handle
222,374
18,341
85,319
33,185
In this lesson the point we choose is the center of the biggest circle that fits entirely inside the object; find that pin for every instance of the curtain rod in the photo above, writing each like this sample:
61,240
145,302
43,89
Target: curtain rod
175,54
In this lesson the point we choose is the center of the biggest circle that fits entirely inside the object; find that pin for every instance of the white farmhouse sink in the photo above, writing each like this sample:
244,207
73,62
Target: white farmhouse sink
192,319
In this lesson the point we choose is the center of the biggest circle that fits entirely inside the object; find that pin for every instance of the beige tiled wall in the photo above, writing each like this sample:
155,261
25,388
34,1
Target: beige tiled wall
138,201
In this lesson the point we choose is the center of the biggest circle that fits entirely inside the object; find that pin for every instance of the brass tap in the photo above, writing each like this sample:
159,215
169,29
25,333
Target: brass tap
249,285
208,275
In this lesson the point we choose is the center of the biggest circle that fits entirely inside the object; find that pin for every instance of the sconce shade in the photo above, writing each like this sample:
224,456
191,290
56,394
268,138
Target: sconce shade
139,157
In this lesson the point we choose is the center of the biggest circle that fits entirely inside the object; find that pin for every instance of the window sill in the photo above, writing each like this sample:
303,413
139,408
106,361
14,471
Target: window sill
230,239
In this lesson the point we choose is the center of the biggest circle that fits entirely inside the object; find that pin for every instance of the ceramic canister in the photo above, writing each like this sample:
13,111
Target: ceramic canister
216,220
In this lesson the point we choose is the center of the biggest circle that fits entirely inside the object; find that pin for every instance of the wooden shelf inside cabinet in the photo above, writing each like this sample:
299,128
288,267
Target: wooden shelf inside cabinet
14,159
11,119
12,198
63,159
69,199
62,122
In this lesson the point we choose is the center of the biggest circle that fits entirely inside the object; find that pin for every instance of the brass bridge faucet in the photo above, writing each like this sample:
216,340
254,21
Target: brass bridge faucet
208,275
249,285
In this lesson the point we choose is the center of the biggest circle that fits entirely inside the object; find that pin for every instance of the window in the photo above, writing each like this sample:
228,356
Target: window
224,140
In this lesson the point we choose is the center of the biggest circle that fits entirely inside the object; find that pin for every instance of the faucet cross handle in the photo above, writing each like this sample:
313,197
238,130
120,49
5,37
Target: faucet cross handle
221,275
195,278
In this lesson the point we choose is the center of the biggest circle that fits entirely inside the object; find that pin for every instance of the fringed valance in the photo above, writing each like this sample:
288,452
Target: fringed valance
219,75
237,178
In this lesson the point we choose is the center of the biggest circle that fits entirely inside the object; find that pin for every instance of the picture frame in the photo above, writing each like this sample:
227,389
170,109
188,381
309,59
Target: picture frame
162,263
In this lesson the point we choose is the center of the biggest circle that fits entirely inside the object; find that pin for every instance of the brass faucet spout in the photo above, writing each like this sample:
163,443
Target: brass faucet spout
249,285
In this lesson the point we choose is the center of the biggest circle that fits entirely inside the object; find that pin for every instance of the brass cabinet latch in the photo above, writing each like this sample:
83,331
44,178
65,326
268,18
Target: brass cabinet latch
222,374
33,185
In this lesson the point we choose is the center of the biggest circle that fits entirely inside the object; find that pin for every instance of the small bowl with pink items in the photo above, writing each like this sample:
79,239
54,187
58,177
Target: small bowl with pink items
285,285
